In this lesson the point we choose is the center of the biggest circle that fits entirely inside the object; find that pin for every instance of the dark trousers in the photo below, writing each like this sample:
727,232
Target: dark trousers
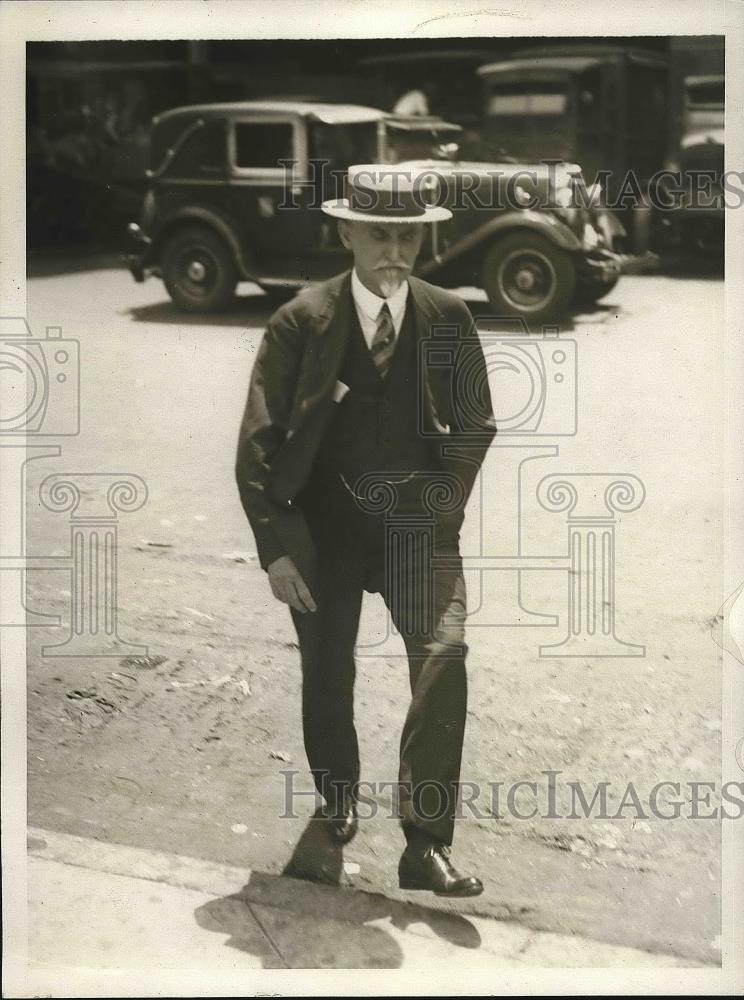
353,557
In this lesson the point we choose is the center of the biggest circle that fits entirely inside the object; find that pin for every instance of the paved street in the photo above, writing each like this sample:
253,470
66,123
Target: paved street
183,753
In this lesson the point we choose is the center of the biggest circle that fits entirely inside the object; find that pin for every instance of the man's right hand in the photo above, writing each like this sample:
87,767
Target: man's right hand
288,586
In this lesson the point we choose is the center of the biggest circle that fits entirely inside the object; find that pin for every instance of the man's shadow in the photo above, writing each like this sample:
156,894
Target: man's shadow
305,918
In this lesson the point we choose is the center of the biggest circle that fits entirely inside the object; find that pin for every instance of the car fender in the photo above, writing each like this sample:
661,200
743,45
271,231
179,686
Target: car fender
547,224
215,220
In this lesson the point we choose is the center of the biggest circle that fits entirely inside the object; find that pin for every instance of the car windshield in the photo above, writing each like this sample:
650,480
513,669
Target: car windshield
341,145
425,143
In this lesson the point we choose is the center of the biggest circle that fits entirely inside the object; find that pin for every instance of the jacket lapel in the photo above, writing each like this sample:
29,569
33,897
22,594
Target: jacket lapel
436,394
324,352
321,364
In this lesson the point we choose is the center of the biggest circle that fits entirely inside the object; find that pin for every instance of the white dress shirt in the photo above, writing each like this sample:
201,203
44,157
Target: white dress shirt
368,307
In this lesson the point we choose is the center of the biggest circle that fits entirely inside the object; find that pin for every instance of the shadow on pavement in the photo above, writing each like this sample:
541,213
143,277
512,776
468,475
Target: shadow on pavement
310,921
250,309
255,310
597,312
688,265
57,263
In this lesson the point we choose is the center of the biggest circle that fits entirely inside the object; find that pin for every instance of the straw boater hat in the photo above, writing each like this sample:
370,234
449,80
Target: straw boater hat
384,194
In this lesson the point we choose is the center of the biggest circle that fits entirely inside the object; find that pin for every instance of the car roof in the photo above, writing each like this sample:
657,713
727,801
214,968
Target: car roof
330,114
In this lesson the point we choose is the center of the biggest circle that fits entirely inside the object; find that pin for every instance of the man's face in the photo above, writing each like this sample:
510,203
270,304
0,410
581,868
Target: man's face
384,252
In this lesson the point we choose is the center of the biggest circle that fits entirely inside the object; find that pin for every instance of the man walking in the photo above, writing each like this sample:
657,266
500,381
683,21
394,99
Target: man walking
343,420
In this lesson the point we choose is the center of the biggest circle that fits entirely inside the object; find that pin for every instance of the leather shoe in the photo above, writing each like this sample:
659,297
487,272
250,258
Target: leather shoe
429,867
343,822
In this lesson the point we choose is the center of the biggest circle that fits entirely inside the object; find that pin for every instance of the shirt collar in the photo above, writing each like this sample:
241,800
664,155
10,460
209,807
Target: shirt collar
371,304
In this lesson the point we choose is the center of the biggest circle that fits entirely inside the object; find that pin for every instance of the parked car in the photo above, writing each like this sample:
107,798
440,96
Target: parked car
235,193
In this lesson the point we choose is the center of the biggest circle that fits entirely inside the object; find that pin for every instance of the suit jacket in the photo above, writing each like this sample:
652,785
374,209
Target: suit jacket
290,401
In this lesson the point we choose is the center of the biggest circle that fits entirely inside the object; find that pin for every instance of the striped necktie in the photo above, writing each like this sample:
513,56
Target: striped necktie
383,342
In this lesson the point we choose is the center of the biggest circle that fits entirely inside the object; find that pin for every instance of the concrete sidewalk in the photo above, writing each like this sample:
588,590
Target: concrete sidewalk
107,906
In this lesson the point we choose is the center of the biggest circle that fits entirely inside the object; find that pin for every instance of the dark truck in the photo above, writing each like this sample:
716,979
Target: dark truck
604,106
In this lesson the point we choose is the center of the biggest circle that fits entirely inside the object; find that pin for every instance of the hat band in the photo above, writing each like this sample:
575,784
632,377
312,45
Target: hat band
365,199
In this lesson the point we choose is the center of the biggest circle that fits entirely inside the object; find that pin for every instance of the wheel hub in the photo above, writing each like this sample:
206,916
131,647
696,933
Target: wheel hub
525,280
196,271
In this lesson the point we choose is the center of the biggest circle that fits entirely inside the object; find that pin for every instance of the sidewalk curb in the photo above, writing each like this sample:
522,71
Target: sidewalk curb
176,870
306,904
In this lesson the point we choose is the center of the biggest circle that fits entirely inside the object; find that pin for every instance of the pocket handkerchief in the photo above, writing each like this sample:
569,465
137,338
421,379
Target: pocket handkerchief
339,391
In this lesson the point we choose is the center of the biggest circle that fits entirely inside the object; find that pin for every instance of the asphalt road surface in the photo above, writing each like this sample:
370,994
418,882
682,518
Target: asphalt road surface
184,752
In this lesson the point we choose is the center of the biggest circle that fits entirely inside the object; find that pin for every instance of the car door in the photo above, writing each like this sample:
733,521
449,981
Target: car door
267,163
333,147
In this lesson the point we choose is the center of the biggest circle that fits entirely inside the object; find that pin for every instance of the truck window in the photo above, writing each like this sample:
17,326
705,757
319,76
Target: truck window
527,99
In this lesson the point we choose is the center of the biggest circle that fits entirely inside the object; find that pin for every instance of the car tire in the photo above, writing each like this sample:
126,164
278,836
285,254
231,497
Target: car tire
524,274
199,270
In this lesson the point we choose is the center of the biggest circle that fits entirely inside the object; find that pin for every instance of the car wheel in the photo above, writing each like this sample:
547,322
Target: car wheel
589,292
525,275
198,270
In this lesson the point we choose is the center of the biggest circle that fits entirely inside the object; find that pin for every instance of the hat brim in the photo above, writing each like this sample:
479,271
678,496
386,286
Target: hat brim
339,209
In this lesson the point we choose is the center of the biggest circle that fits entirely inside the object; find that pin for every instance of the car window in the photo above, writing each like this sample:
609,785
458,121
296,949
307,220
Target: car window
262,145
342,145
201,152
333,148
